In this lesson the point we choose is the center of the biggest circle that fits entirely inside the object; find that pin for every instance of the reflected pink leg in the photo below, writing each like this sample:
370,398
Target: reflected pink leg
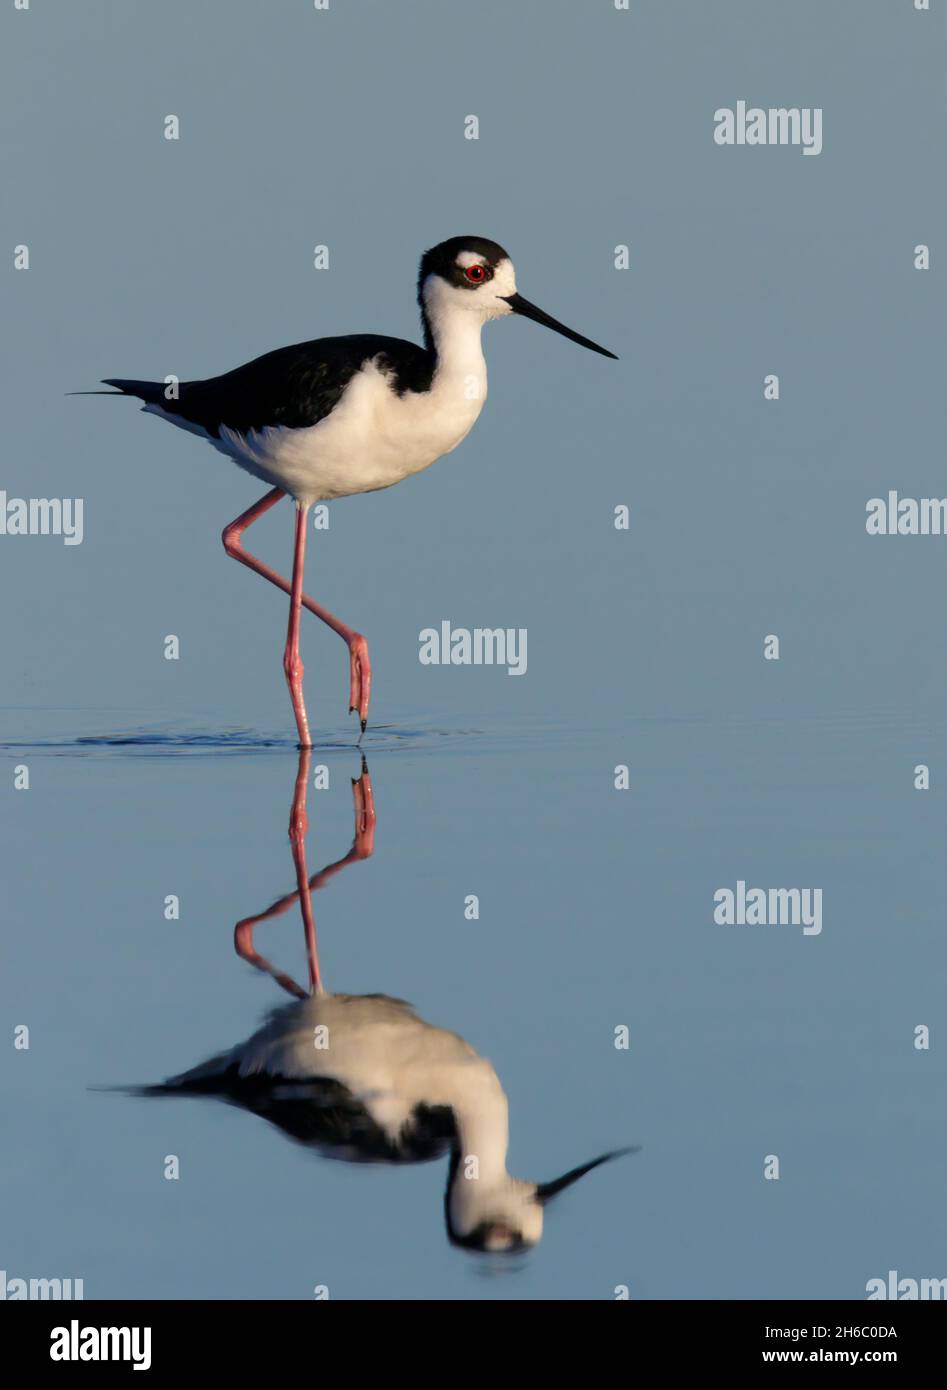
362,847
243,943
298,825
243,932
360,670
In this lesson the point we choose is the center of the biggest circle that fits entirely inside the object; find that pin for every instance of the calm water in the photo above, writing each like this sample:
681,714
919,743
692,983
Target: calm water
746,518
595,912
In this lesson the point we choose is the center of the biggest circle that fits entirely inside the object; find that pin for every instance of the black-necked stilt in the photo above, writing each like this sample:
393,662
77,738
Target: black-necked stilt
365,1079
339,416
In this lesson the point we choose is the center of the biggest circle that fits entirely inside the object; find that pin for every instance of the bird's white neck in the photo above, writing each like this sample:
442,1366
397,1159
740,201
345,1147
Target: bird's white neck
481,1191
482,1116
454,333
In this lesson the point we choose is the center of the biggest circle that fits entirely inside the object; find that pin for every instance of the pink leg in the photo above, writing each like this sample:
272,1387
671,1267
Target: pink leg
292,662
360,670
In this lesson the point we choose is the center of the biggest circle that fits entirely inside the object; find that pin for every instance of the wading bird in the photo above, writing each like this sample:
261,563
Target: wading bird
339,416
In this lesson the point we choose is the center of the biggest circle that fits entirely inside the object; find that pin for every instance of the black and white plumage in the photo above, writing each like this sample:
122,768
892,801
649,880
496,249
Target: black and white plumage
386,1087
338,416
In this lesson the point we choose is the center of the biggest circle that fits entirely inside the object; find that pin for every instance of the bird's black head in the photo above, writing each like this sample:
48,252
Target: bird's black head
471,279
463,261
505,1215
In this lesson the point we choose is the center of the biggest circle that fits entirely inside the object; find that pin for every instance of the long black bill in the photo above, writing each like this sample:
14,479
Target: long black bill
519,305
545,1190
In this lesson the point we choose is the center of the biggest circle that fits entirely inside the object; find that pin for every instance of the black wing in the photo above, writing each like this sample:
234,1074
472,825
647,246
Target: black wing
321,1113
293,386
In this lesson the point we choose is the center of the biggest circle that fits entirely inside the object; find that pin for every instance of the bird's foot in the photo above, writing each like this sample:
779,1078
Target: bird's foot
360,678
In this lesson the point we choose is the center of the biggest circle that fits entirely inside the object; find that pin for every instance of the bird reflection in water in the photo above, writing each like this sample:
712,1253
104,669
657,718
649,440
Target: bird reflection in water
361,1077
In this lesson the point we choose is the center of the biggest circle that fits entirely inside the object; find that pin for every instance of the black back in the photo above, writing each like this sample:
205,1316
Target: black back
323,1114
293,386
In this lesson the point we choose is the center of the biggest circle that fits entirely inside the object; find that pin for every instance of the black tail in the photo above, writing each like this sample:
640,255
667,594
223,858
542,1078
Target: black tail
149,391
159,1090
199,1086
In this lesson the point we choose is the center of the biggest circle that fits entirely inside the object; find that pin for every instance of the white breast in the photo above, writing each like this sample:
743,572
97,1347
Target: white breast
372,439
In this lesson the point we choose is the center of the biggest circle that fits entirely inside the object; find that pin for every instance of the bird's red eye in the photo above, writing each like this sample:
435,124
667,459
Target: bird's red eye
475,273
